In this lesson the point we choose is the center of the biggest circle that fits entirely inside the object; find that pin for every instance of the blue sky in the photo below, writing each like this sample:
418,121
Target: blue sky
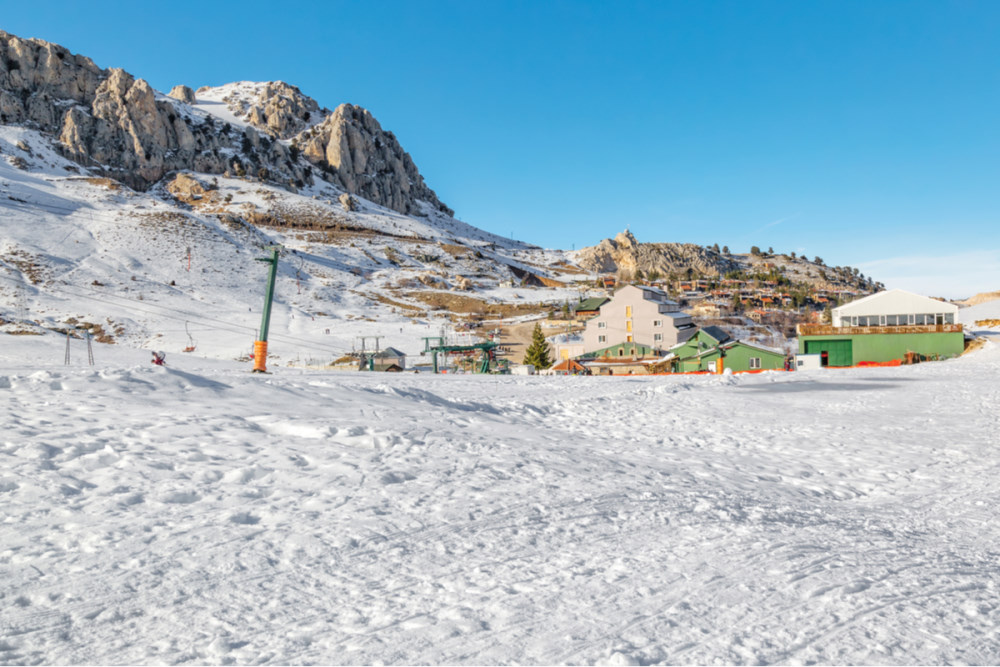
862,132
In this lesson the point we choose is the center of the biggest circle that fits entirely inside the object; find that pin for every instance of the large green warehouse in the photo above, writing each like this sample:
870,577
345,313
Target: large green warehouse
884,327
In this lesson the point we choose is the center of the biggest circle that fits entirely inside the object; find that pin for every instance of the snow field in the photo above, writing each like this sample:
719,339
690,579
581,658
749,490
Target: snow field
200,514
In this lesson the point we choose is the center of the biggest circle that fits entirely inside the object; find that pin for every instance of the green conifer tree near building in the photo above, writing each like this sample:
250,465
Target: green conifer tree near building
537,353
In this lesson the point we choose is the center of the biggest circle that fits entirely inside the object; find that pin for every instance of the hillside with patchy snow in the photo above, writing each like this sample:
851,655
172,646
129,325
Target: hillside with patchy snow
159,268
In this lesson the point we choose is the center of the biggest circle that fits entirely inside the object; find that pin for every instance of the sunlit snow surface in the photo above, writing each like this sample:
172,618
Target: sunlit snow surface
201,514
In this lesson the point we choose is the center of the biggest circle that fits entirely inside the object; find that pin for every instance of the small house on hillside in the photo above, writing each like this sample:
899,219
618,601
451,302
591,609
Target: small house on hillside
886,326
590,307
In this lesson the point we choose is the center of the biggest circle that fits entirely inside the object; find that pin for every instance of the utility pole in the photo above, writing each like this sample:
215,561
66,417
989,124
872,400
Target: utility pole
260,345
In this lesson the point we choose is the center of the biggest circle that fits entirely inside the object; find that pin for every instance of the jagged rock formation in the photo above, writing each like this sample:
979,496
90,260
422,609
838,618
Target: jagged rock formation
626,256
183,94
367,160
117,125
273,107
348,202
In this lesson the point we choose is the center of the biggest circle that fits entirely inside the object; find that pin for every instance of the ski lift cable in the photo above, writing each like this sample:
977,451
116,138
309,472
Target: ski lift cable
209,323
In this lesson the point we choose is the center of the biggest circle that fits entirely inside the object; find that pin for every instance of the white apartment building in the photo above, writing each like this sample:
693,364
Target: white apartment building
638,314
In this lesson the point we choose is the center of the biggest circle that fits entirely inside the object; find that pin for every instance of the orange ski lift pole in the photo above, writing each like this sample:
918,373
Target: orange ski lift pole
260,345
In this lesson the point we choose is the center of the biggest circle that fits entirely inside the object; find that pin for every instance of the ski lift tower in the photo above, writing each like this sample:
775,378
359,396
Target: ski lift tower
260,345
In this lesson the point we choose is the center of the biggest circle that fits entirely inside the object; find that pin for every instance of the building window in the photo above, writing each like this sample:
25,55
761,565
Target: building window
628,311
602,339
621,352
911,318
657,323
657,337
602,325
949,318
754,362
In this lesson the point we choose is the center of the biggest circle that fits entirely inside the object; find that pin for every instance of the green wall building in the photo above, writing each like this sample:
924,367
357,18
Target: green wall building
885,327
739,356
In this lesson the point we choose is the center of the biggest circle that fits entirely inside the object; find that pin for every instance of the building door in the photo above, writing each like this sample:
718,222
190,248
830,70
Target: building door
837,352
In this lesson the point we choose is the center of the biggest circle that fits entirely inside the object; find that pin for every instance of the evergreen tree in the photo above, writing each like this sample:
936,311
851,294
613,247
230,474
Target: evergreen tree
725,250
537,353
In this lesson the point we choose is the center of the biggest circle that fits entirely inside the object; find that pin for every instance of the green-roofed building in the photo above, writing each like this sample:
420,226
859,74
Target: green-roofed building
590,307
737,356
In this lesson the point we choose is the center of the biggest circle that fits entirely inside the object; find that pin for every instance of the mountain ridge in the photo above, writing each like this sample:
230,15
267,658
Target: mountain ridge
111,121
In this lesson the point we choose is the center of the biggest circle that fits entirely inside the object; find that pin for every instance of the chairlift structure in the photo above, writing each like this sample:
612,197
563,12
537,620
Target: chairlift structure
488,359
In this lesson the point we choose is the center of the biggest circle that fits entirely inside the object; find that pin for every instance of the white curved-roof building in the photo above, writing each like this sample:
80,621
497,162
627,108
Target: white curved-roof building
894,307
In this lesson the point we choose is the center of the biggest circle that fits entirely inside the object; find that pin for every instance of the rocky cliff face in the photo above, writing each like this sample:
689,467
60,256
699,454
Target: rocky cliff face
112,122
367,160
625,255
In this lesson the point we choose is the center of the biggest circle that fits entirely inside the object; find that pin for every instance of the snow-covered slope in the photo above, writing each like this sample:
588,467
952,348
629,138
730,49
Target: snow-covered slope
987,310
200,514
79,249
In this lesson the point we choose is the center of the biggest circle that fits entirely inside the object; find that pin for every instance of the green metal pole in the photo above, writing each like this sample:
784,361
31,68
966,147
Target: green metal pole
265,320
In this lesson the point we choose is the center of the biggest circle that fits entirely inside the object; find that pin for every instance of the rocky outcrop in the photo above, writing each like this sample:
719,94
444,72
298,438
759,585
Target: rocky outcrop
626,256
34,74
348,202
273,107
183,94
119,126
366,160
136,138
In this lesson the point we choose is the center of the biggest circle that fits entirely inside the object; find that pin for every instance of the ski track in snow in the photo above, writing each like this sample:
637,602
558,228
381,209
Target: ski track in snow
200,514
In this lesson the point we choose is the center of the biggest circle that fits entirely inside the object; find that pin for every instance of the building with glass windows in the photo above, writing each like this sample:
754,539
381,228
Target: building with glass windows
884,327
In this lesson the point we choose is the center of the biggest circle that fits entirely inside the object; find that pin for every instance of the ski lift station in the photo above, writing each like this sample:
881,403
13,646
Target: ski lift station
885,327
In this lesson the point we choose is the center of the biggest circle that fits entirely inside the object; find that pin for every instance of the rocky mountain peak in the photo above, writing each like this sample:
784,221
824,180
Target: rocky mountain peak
626,240
624,254
273,107
182,94
115,123
367,160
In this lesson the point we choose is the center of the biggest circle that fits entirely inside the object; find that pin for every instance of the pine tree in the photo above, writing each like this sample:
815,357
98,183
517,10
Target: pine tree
537,353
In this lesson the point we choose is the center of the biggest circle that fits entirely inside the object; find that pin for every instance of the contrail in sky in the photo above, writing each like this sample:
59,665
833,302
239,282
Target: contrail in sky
778,222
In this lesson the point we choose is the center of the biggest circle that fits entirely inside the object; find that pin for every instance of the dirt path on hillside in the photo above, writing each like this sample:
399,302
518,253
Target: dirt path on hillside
517,338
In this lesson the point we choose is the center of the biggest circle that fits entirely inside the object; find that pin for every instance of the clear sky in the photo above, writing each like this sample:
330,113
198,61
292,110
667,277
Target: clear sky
863,132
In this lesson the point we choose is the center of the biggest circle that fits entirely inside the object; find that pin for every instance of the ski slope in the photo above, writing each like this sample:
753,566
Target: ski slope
200,514
169,275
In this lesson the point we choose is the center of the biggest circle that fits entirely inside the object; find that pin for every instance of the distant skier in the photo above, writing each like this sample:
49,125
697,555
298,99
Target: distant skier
160,358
